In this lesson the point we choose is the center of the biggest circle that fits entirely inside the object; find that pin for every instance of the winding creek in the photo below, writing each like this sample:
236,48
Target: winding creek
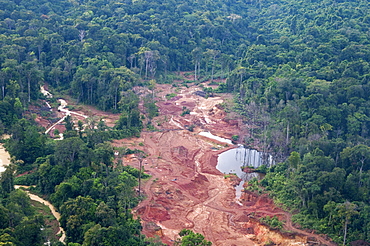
4,161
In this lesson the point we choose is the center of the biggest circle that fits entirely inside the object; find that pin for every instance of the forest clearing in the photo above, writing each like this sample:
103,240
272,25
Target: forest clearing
185,189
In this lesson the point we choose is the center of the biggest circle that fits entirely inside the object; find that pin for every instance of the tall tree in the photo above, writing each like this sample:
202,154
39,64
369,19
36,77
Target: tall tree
346,210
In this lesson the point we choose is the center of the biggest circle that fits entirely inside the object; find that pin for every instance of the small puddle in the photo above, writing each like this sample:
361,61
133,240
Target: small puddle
232,161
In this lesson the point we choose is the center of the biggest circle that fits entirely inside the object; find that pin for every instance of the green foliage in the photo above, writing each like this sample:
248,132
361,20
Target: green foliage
235,138
27,180
7,180
151,108
272,222
229,175
80,180
20,223
171,95
75,214
134,172
150,127
262,169
191,127
26,144
322,191
185,111
129,122
28,231
189,238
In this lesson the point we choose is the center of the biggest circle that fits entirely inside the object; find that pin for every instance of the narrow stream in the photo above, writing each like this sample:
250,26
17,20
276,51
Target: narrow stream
232,161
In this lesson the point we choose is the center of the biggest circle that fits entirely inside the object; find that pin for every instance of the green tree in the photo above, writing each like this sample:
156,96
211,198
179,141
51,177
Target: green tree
71,154
7,179
76,214
345,211
30,231
189,238
357,157
26,143
105,216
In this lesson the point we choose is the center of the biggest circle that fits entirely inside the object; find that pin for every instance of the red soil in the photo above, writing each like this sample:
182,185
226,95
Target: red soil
187,191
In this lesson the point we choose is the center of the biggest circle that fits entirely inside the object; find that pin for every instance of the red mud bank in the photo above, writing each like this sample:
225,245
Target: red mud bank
209,160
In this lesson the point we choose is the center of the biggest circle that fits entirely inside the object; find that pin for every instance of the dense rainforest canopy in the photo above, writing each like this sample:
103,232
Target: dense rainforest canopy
299,70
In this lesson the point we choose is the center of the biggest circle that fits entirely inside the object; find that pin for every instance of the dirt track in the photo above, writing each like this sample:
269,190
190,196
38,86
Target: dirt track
187,191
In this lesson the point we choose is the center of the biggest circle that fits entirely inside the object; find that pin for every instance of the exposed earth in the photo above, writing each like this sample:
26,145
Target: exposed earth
185,189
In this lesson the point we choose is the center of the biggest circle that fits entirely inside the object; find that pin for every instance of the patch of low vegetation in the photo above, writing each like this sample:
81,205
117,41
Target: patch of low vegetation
187,74
272,222
170,95
191,128
189,238
253,185
27,179
185,111
262,169
151,127
230,175
235,138
71,107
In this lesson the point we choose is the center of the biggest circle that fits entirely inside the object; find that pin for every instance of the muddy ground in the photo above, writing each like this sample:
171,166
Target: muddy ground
185,189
